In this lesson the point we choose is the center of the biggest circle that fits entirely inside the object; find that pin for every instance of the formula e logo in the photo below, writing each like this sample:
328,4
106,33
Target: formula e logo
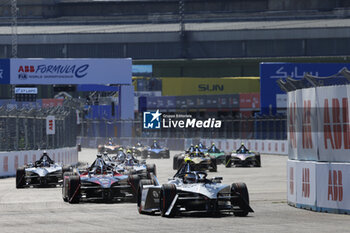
151,120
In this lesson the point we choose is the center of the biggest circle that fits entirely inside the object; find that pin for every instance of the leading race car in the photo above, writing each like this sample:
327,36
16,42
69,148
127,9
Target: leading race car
189,191
198,159
155,151
243,157
99,182
44,172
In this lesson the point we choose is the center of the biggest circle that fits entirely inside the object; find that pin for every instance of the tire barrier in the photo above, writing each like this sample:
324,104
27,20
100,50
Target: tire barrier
10,161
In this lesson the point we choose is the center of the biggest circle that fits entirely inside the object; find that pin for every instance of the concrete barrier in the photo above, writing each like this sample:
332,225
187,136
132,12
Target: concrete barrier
319,186
10,161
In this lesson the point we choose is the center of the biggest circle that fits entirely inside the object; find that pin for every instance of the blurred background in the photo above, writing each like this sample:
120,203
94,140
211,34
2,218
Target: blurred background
202,57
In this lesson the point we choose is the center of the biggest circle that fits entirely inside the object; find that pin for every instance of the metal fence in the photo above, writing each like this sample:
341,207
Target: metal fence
25,129
263,127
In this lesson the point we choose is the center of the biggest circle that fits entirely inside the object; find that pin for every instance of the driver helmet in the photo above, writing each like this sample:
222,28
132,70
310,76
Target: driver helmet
105,153
110,141
190,178
128,151
139,144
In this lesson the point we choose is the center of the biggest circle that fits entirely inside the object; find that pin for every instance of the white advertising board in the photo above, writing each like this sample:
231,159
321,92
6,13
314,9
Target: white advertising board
70,71
50,125
305,175
333,186
333,123
291,181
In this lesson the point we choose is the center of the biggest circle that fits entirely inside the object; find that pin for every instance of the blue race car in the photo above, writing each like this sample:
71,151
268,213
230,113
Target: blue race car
155,152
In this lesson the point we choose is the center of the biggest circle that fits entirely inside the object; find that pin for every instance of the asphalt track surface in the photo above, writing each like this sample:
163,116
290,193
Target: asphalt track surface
43,210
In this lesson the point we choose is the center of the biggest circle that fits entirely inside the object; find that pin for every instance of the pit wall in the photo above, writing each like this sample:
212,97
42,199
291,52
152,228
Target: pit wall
263,146
10,161
318,169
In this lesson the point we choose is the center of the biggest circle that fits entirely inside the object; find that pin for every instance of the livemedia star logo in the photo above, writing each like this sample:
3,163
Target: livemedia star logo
151,120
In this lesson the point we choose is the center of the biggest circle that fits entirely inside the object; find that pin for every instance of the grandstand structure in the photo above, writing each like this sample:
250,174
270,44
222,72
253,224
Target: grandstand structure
213,38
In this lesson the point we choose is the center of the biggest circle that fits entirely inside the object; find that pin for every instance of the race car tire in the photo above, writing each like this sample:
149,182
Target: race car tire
151,168
240,190
257,161
64,185
73,189
134,181
166,197
66,169
175,162
20,177
139,192
180,161
228,162
213,164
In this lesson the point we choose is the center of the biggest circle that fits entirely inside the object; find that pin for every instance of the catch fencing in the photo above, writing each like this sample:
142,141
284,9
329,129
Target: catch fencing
262,127
25,128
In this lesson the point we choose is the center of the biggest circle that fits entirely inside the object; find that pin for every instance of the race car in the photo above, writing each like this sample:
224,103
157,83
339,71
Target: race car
99,182
44,172
137,150
243,157
218,154
110,147
199,160
191,191
129,165
202,147
155,151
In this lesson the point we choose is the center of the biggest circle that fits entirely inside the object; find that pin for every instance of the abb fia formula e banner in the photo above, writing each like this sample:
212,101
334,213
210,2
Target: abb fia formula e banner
333,186
333,123
65,71
302,124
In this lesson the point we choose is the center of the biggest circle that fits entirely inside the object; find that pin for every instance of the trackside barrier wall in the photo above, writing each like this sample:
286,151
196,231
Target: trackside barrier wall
10,161
319,186
318,169
263,146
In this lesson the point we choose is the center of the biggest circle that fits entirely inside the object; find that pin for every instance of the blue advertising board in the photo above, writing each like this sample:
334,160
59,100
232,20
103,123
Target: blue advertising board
4,71
271,96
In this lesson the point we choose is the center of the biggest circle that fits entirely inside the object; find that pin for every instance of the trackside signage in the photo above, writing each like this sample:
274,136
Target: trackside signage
333,186
319,124
69,71
50,125
306,183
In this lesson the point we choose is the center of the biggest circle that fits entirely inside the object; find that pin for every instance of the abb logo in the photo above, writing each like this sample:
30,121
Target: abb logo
276,146
292,125
256,146
25,159
263,146
269,146
283,147
306,182
227,146
291,180
338,129
26,69
50,124
306,125
335,185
